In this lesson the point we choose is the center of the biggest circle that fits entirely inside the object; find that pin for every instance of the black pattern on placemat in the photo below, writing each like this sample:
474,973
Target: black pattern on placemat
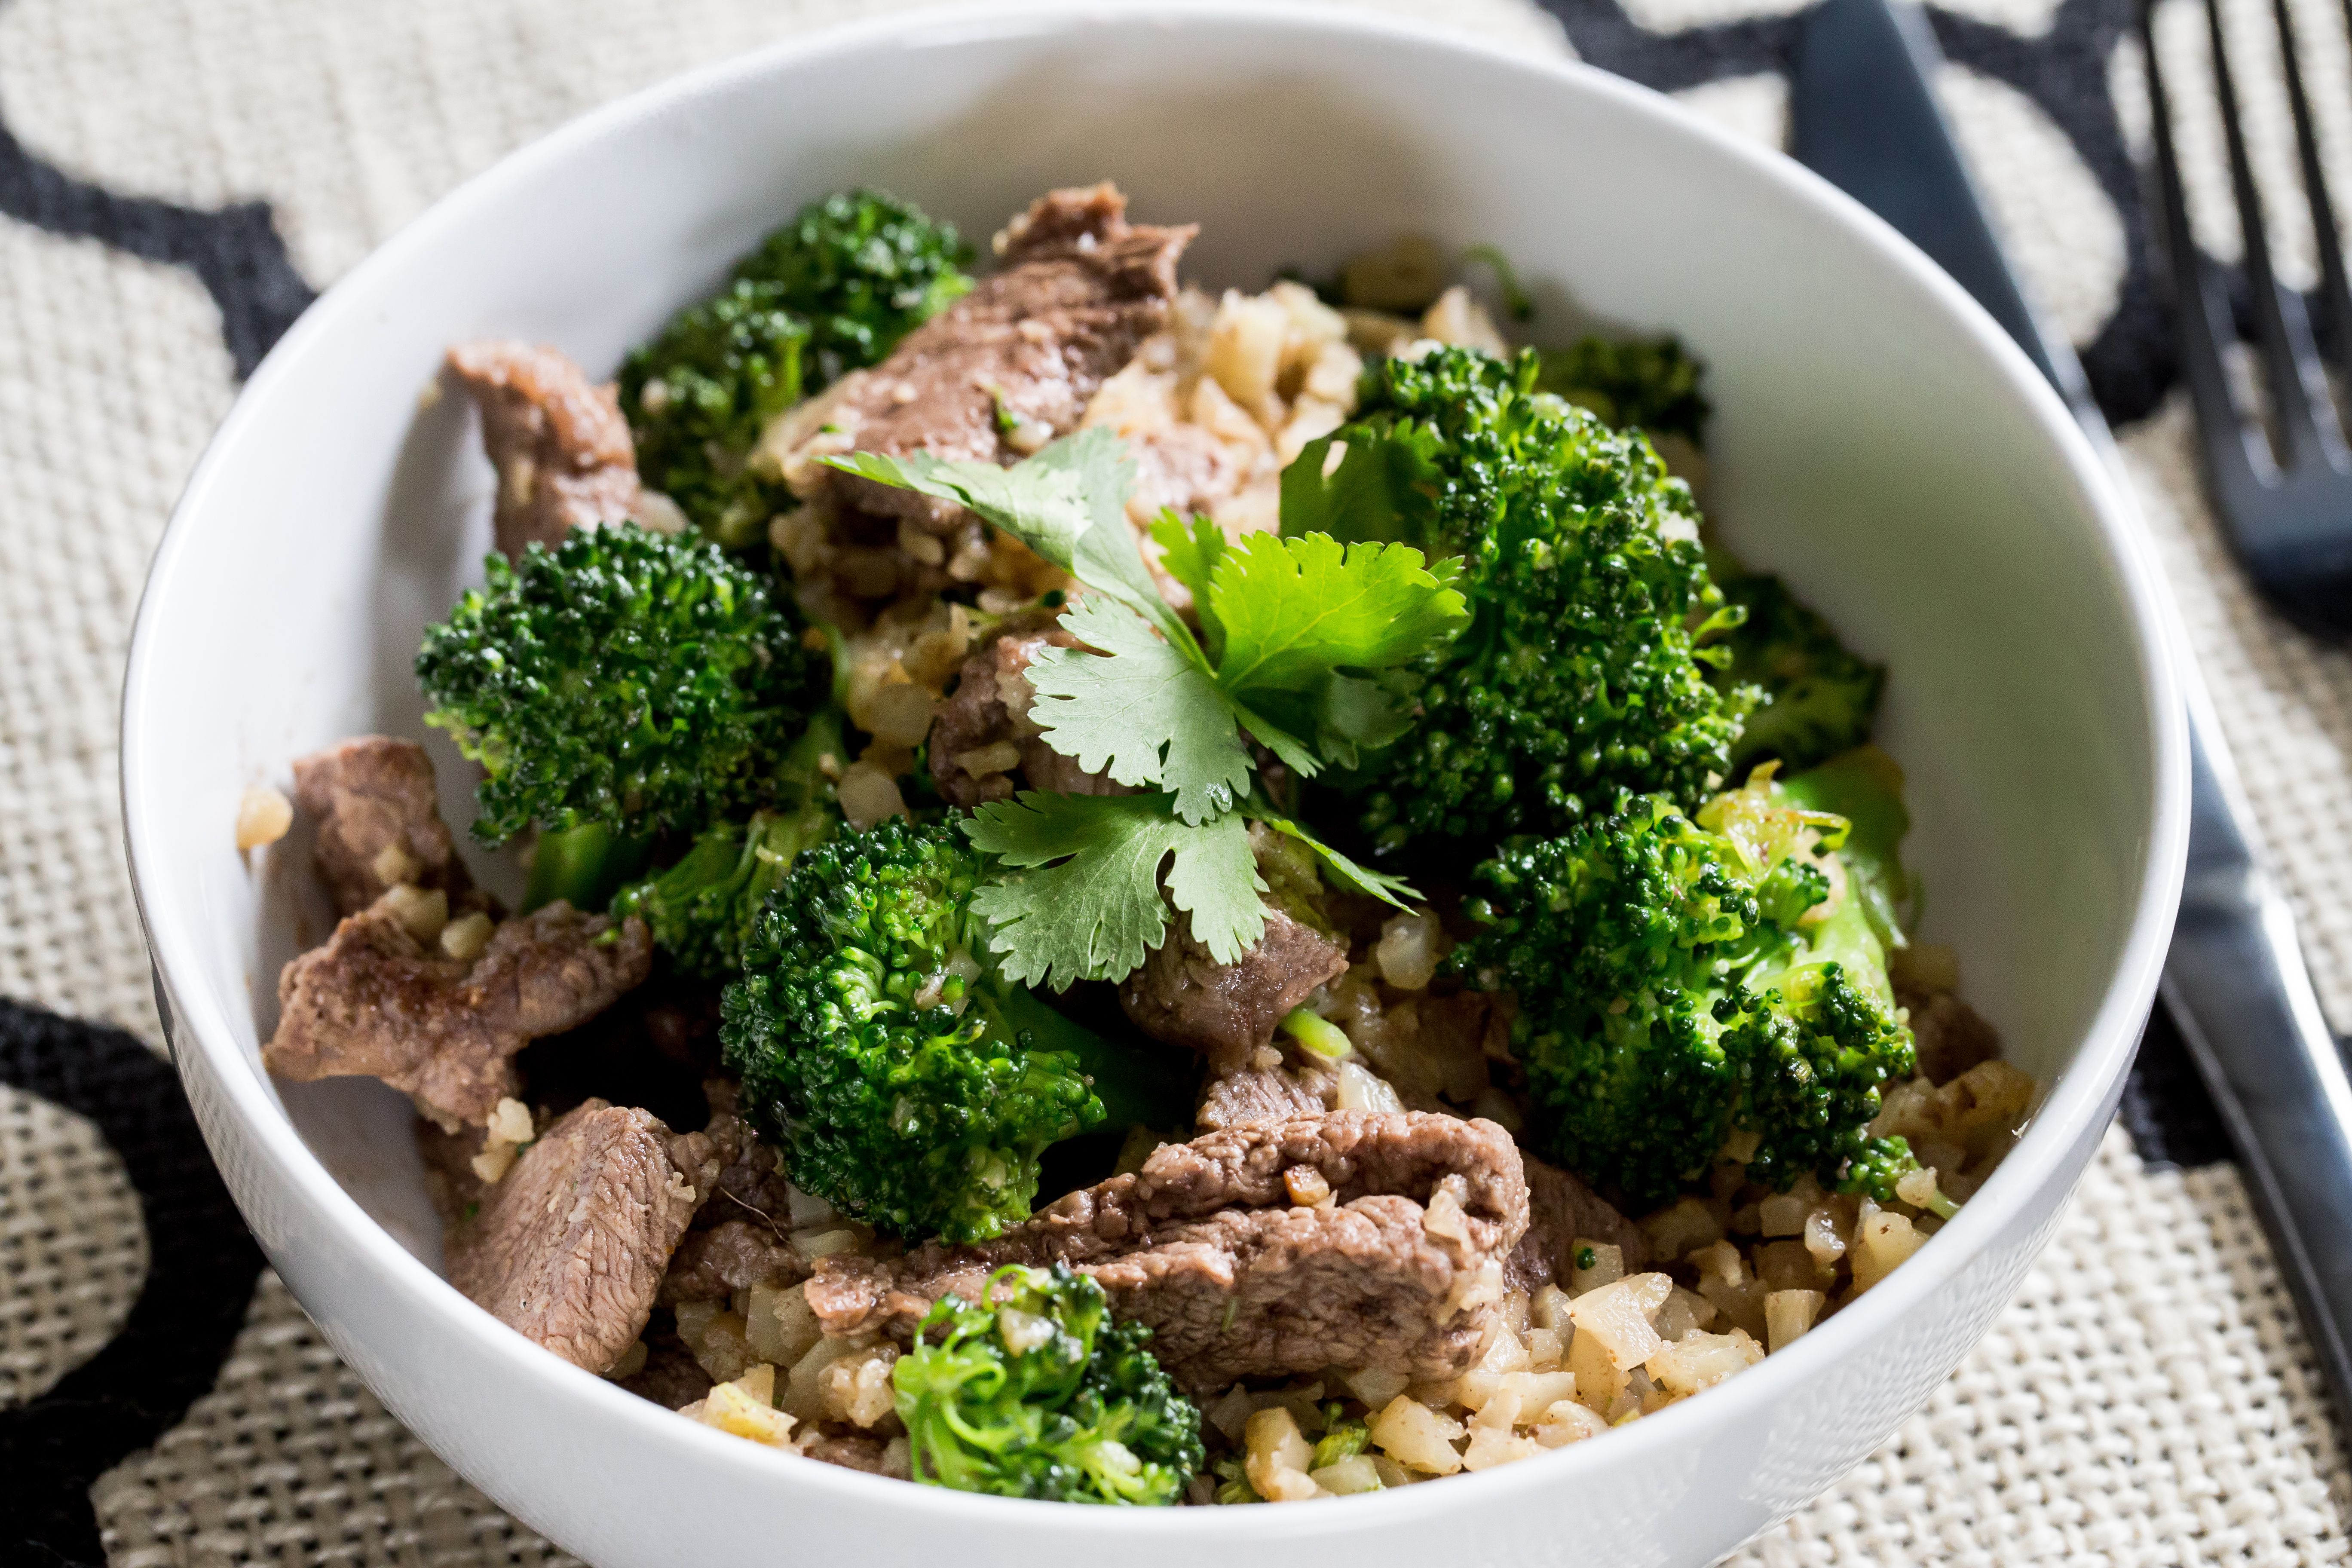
2132,362
235,251
2064,71
202,1265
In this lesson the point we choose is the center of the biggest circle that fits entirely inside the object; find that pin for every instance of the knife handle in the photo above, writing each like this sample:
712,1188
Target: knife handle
2240,996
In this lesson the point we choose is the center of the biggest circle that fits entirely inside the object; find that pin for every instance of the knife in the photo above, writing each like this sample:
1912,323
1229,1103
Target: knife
1863,116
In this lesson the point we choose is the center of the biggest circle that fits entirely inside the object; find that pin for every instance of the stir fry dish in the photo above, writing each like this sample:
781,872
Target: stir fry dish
1139,897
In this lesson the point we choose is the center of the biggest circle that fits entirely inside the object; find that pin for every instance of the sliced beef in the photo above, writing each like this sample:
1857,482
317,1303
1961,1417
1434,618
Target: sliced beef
983,746
733,1254
1080,287
1264,1091
1562,1211
1226,1011
563,453
379,823
749,1182
1352,1240
569,1248
739,1236
376,1000
1951,1036
851,1451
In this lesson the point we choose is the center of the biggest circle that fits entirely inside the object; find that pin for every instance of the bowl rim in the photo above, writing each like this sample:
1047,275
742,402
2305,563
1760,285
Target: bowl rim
2073,1110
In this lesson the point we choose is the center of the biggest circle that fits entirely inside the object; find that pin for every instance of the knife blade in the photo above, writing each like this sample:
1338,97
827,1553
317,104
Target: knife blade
1863,116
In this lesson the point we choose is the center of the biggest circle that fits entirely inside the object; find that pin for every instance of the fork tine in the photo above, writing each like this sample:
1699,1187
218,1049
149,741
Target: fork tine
2335,289
2203,308
2290,358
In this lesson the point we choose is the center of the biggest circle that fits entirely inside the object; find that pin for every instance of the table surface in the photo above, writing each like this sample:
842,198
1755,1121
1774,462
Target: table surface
175,177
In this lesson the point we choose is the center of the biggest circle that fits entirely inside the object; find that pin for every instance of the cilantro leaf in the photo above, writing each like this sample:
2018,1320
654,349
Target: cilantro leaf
1296,609
1296,613
1354,714
1081,898
1068,503
1138,710
1382,490
1392,890
1190,555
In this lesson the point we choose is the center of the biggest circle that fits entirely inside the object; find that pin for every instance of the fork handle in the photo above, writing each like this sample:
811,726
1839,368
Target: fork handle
2241,998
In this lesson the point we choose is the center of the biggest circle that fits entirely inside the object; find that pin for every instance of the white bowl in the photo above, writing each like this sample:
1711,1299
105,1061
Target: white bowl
1876,438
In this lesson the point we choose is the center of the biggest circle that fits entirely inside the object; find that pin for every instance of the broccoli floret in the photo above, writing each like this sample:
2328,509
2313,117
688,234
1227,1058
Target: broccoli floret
1678,981
1232,1480
1343,1437
698,396
1580,674
865,269
701,910
1043,1394
1882,1163
832,291
1651,386
1818,698
637,682
1623,940
1813,1050
907,1080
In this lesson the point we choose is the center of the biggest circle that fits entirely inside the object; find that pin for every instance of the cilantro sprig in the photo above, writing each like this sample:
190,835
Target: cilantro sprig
1303,647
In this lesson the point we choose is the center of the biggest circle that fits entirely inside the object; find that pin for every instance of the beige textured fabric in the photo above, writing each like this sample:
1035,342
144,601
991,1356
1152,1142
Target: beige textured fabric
2148,1400
72,1251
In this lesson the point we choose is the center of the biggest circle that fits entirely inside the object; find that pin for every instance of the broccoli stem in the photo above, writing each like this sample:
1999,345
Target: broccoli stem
1506,279
1318,1034
583,865
1865,787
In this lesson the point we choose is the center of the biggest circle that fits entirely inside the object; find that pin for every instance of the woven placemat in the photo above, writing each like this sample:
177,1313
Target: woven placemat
175,177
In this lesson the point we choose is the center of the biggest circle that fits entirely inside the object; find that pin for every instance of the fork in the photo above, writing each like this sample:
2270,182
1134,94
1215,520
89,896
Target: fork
2285,503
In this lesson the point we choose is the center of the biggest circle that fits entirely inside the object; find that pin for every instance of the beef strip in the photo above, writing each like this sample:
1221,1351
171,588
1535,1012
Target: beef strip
989,708
1080,287
739,1236
563,453
1228,1011
376,1001
379,824
749,1182
851,1450
1400,1268
1279,1091
1951,1036
1562,1211
712,1265
569,1248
